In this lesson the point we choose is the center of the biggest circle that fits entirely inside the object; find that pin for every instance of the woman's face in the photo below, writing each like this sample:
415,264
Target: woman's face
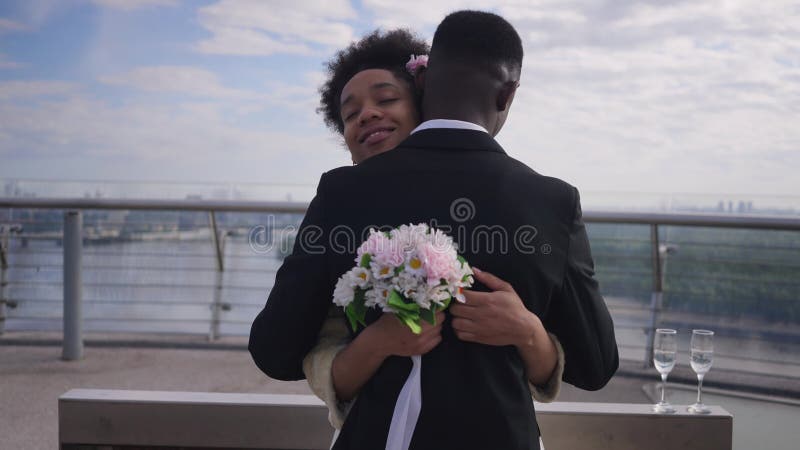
378,112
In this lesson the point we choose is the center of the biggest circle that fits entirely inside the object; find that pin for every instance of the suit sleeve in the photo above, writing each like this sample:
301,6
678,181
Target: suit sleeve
286,329
579,316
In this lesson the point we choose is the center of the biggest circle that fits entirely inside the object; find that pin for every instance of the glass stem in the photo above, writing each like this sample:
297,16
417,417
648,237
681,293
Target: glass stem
699,388
663,386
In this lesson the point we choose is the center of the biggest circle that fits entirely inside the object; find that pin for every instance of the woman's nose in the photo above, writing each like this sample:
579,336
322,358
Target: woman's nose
370,113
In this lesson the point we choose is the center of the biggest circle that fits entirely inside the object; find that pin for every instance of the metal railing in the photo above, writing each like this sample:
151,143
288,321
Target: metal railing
632,249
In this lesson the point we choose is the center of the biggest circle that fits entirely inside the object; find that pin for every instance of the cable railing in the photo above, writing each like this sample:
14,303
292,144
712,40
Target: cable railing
196,266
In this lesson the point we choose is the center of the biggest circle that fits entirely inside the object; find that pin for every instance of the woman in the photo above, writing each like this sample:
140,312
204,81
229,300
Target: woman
370,99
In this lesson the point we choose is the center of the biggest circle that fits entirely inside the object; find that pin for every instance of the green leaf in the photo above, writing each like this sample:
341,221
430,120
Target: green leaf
412,321
366,258
359,307
356,311
461,260
399,269
428,315
447,303
398,302
351,317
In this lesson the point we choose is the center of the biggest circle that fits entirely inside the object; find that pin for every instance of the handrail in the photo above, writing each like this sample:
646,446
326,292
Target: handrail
765,222
770,222
161,205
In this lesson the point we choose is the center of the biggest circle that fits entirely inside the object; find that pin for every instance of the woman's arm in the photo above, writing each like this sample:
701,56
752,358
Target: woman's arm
501,318
387,336
333,338
352,364
548,391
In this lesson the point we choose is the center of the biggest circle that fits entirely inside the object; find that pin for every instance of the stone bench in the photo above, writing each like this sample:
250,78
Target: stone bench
101,419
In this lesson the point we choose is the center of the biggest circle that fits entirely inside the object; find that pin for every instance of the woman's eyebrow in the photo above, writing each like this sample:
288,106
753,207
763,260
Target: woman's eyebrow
382,85
374,87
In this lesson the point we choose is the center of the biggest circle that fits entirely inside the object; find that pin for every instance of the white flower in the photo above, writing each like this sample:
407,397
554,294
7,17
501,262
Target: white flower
414,264
344,292
372,298
381,272
359,276
378,295
438,295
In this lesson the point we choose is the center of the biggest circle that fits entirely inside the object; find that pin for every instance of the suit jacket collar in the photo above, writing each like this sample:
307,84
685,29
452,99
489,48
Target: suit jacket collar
452,139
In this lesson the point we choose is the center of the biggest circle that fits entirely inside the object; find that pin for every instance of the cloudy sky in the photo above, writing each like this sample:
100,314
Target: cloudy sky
617,95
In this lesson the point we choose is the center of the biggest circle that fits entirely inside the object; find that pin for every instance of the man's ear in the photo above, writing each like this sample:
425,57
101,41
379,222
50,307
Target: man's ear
506,95
419,78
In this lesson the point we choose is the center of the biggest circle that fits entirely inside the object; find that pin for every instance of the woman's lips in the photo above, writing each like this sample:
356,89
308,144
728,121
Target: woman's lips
377,136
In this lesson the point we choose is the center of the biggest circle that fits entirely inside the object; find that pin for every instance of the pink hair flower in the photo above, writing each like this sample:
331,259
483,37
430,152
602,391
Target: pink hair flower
415,62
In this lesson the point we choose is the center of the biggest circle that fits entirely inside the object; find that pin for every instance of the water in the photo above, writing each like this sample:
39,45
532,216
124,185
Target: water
664,361
701,361
169,287
165,287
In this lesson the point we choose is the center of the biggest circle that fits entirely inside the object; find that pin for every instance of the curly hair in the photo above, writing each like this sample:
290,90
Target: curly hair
390,51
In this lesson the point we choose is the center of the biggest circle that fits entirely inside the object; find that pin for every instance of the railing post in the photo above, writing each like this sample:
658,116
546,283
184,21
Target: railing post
4,232
656,296
219,249
73,249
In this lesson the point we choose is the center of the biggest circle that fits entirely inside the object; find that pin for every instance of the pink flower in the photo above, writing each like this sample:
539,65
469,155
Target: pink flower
385,251
438,261
391,253
373,245
415,62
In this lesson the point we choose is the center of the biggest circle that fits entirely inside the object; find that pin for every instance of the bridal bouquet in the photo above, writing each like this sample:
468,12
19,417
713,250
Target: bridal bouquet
412,271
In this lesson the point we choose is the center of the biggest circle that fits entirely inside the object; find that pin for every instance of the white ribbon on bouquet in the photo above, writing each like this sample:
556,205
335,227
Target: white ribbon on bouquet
407,408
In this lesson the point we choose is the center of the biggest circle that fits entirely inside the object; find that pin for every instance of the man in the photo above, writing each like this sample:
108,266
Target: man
507,220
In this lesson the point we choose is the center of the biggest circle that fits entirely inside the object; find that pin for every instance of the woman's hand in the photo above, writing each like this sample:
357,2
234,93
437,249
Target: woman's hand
391,337
495,318
500,318
385,337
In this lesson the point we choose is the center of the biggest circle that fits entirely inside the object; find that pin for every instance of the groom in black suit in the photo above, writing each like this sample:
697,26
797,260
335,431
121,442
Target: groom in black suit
507,219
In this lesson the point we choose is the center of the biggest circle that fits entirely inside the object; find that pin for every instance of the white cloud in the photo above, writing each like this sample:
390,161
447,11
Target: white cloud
670,97
9,26
186,80
424,15
200,141
616,94
130,5
22,89
639,95
249,27
5,63
248,42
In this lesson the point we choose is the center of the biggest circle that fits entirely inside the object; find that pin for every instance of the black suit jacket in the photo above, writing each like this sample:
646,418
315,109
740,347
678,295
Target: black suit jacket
507,219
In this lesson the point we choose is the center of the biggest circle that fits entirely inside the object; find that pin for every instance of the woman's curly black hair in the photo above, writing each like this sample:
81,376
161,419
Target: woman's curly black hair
390,51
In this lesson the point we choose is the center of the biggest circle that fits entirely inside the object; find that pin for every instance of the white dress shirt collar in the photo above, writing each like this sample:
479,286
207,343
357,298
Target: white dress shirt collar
448,123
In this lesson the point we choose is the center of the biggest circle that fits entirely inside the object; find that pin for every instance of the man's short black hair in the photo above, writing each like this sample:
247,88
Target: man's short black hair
478,39
390,51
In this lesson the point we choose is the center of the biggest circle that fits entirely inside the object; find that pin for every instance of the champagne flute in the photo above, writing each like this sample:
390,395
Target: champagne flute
702,346
665,348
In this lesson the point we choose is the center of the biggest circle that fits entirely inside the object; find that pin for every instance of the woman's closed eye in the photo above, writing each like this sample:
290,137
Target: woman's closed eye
349,116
